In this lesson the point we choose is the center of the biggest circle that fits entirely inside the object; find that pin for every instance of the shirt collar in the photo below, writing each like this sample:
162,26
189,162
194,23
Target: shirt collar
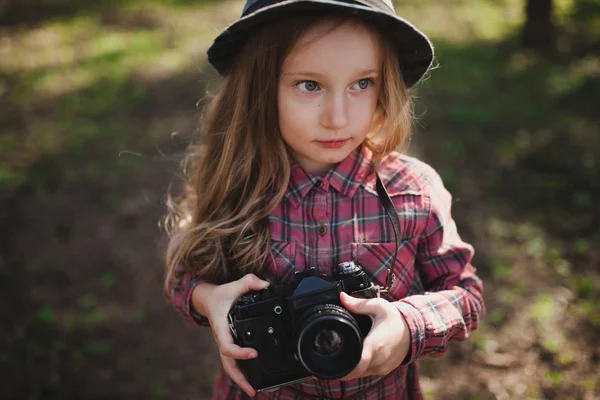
346,177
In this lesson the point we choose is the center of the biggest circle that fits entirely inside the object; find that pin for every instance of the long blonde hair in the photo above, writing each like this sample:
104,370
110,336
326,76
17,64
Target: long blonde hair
219,228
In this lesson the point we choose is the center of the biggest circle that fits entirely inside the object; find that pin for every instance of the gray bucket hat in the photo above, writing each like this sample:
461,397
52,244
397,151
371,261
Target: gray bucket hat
414,48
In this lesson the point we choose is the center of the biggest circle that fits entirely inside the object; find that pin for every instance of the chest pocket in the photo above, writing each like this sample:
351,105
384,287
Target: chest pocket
283,261
376,258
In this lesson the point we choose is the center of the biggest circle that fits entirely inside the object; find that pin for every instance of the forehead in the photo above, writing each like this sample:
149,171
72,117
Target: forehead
336,45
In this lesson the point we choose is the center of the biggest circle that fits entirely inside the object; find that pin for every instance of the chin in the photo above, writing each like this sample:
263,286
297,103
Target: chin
339,156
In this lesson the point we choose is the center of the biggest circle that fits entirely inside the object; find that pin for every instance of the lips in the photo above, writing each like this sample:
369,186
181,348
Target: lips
332,144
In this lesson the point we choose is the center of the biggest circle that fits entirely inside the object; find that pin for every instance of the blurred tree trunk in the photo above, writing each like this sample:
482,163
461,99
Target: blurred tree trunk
539,32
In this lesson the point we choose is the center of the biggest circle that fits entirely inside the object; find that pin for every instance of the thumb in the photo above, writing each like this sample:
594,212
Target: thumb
359,306
250,282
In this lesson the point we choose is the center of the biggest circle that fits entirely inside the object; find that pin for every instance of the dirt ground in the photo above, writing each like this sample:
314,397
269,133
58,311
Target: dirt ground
83,313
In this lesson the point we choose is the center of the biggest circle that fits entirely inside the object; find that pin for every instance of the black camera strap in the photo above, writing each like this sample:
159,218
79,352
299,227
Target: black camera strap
388,205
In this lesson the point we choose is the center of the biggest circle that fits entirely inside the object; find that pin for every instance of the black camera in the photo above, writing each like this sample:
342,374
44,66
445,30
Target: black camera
300,329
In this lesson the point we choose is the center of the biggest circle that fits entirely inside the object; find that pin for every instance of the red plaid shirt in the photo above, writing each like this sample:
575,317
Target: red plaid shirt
326,220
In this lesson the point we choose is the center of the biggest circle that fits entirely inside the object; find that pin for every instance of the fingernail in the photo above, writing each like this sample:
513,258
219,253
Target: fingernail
252,354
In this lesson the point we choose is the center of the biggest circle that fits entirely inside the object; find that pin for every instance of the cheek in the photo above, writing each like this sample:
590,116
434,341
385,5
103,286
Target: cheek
364,112
286,121
294,120
284,112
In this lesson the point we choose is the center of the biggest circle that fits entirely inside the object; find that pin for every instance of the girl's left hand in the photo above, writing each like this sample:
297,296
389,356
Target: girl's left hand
387,344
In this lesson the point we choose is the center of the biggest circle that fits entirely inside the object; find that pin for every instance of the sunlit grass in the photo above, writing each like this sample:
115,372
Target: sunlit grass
62,76
463,21
61,57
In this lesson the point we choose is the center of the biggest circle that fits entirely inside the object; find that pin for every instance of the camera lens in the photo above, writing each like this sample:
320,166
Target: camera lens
329,342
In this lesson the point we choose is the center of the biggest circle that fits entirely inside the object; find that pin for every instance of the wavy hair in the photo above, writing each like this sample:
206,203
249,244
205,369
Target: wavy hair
218,226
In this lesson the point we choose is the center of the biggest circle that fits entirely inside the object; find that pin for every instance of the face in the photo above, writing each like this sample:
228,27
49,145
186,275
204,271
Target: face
328,93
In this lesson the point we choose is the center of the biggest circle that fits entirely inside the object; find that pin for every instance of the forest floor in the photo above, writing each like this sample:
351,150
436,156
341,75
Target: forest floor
97,106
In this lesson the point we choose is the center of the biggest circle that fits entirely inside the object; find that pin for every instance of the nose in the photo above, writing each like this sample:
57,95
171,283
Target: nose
335,112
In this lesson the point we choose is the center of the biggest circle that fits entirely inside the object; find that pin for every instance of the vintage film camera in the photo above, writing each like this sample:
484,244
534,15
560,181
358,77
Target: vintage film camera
301,329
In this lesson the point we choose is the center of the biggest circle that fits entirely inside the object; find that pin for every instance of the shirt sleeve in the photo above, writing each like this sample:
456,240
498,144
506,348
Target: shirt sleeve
180,296
452,305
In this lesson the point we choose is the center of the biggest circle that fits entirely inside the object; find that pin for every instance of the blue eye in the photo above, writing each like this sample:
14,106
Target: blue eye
308,86
363,84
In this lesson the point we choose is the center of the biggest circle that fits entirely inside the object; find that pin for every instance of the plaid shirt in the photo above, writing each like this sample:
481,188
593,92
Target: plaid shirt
323,221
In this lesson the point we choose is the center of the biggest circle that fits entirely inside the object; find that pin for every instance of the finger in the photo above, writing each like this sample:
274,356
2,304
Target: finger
236,375
247,283
379,371
362,366
237,352
227,346
361,306
371,362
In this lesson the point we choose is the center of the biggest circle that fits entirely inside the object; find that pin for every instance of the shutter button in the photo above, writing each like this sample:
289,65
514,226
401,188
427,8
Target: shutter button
322,230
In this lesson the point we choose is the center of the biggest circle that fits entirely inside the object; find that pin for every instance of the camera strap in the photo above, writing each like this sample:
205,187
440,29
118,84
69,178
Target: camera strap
388,205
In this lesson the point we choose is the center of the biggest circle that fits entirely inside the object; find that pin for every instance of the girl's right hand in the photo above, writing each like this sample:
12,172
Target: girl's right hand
214,302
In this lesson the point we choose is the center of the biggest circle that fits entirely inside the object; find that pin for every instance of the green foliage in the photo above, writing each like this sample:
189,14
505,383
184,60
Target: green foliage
98,347
589,310
585,286
590,384
566,359
449,178
94,317
500,270
140,316
582,246
553,377
46,315
60,344
10,178
109,279
553,345
34,347
159,392
584,18
87,301
69,322
543,309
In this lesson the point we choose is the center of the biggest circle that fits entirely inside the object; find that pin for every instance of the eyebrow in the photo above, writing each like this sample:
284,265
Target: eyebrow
317,75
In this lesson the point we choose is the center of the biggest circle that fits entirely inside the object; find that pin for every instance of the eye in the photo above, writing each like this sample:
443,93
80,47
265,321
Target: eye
308,86
363,84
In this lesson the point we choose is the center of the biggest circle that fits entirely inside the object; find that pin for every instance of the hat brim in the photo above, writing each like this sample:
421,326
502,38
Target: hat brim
415,50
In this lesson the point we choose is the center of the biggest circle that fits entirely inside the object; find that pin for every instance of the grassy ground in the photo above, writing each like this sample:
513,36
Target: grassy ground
98,101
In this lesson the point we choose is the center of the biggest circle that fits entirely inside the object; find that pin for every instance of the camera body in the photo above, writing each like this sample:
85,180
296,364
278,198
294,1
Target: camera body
300,329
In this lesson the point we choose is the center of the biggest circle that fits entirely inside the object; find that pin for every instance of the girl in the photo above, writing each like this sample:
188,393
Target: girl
314,100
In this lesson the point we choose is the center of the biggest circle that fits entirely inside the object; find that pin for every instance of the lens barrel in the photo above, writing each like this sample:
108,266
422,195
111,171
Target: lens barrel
328,341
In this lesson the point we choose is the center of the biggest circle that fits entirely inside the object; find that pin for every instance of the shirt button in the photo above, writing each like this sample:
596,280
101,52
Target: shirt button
322,230
318,183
